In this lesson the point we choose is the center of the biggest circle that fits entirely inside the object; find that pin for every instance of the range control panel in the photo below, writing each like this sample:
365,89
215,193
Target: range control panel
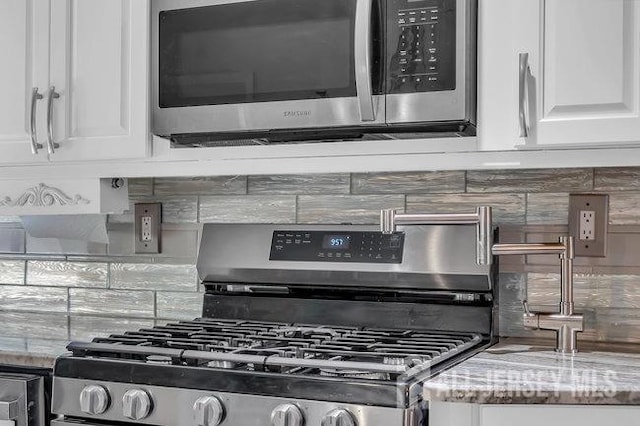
421,45
327,246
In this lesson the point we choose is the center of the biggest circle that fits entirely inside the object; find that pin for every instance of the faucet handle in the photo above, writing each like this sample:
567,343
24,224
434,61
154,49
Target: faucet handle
525,305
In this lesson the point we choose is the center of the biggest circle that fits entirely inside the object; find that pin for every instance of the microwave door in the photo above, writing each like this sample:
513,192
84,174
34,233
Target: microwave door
238,66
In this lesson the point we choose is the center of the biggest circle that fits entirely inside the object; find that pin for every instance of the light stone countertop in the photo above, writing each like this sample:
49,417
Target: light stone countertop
27,352
528,371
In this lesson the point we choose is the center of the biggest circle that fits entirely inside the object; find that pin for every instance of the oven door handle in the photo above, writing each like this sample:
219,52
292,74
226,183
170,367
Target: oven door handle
362,59
9,410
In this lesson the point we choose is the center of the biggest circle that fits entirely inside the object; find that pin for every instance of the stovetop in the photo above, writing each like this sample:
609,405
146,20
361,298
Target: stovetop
301,349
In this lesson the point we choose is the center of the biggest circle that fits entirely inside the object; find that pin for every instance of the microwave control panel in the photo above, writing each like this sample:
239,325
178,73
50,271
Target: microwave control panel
340,246
421,45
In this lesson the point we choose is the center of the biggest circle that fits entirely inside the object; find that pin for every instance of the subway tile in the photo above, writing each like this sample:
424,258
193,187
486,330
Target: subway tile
179,306
140,187
617,179
176,243
618,325
594,291
44,347
12,271
67,274
624,208
175,209
248,209
507,208
153,277
408,182
123,303
299,184
87,327
531,180
547,209
12,240
34,324
26,298
360,209
213,185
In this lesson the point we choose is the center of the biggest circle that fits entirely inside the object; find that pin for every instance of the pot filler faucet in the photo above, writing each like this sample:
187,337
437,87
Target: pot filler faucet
565,323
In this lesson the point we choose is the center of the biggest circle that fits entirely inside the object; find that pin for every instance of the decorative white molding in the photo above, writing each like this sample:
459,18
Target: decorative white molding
43,196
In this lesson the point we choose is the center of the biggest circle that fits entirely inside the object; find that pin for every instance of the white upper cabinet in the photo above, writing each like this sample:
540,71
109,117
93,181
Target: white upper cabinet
567,71
20,74
89,62
99,60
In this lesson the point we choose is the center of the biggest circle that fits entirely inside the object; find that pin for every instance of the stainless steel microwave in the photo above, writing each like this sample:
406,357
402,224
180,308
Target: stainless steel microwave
311,69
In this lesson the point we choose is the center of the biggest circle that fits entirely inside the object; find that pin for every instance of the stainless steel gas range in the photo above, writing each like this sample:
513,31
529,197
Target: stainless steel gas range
301,325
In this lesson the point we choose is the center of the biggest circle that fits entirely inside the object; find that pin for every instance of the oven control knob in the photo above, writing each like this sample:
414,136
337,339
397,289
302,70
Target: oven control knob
209,411
287,415
94,399
136,404
339,417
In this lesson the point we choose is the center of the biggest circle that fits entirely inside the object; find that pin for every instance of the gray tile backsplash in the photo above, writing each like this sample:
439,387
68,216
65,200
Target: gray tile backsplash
153,277
67,274
12,271
507,208
525,181
75,291
346,208
408,182
248,209
123,303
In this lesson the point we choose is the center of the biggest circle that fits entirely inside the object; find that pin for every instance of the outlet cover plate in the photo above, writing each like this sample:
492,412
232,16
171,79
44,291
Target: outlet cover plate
598,203
153,210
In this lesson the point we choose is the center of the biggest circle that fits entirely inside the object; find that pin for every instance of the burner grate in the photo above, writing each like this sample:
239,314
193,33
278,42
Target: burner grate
303,349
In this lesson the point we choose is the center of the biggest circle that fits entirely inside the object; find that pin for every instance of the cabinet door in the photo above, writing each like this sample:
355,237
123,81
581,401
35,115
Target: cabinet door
23,43
507,29
99,68
589,75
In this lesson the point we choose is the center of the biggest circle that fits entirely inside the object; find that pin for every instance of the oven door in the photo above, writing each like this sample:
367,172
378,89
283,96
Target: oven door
22,400
238,65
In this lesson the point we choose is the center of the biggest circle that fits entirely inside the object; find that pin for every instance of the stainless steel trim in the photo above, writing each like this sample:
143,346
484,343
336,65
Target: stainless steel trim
173,406
362,59
523,71
35,146
51,145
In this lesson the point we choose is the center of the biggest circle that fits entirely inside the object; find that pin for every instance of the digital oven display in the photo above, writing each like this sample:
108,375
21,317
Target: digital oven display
337,242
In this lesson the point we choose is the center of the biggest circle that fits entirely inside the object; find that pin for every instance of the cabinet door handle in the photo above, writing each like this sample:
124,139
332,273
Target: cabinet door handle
51,145
523,97
35,146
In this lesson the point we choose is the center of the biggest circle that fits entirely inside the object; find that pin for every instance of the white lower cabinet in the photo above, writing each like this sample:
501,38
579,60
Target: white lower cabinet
463,414
63,196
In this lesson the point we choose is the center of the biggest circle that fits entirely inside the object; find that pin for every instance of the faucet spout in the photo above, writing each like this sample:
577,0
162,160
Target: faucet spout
565,323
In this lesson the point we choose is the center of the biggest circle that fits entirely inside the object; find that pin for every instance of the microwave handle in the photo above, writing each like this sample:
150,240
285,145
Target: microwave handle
362,59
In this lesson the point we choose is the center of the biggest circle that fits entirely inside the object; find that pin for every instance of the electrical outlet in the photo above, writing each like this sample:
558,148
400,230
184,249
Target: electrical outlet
588,221
147,217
